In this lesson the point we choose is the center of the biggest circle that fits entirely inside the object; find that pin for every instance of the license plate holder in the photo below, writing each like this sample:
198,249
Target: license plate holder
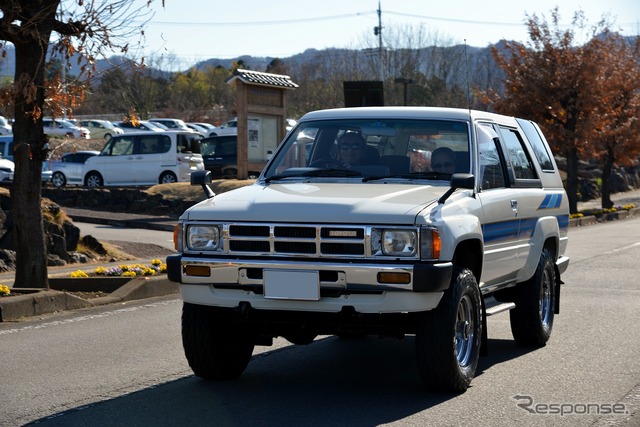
291,284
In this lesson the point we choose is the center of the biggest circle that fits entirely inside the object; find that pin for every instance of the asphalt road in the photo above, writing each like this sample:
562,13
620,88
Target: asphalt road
104,232
123,365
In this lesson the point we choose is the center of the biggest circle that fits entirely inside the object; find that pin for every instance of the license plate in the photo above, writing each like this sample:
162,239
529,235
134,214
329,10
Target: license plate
291,284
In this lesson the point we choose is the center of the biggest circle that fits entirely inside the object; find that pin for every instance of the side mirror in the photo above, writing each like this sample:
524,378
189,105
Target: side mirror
463,180
203,178
458,180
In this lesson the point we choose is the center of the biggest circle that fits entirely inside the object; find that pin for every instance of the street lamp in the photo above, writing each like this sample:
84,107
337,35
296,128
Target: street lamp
405,82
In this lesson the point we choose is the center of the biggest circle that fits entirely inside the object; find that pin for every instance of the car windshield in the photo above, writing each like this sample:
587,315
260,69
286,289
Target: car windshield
374,149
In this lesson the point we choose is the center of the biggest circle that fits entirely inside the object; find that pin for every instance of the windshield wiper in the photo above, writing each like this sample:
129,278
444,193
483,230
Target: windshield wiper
340,173
412,175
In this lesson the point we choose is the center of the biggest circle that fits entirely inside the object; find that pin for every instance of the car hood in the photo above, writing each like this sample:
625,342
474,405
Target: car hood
8,164
362,203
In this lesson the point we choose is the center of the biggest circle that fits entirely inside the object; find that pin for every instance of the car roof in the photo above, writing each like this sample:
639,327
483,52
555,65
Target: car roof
404,113
81,152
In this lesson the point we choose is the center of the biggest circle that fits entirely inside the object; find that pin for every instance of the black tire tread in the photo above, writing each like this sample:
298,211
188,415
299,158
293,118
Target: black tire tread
435,349
526,324
215,349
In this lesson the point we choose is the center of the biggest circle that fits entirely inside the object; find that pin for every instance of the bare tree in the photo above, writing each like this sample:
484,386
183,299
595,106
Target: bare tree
72,29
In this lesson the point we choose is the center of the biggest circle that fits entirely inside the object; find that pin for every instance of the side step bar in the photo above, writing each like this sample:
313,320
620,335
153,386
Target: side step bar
495,307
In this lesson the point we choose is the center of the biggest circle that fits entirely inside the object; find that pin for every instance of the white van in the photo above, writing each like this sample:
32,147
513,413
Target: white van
144,158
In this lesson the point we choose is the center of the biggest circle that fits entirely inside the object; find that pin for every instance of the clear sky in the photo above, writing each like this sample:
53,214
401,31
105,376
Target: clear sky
195,30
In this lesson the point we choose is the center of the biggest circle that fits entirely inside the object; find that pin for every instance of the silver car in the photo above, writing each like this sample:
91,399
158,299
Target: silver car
68,170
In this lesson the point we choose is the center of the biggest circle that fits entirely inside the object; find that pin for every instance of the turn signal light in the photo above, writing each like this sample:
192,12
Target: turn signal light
394,278
197,270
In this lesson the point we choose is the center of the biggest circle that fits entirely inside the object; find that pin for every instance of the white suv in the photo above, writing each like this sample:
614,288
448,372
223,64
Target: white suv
384,221
144,158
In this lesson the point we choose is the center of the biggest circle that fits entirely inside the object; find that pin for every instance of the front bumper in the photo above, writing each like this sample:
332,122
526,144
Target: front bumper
228,282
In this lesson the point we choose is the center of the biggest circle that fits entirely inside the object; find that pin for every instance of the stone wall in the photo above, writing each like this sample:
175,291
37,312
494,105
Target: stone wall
130,200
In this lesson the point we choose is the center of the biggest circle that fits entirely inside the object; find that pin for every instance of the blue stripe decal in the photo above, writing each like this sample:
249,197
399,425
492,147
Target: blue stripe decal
515,229
497,231
551,201
527,226
563,221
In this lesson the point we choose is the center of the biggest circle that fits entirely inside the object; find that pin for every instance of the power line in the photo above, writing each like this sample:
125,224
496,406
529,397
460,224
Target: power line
336,17
253,23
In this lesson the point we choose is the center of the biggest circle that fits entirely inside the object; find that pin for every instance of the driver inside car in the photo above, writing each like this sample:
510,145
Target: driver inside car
351,146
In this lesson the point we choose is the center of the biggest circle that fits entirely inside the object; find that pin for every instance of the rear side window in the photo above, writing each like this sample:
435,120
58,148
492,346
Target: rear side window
537,143
154,144
517,153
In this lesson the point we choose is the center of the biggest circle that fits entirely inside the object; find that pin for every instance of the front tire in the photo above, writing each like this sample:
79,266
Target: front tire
58,180
448,338
532,317
216,348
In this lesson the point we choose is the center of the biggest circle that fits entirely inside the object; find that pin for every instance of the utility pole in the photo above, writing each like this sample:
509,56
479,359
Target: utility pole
378,32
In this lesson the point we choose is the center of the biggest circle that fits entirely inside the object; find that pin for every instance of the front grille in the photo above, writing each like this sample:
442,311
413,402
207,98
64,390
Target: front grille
296,240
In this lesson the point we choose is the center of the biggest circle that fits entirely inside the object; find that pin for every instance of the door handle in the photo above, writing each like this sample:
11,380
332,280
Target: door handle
514,206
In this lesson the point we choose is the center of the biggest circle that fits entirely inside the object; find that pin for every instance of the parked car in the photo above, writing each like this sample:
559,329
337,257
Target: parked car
143,158
5,127
101,128
200,128
64,128
206,127
172,124
68,169
7,169
229,128
6,152
220,156
323,245
142,125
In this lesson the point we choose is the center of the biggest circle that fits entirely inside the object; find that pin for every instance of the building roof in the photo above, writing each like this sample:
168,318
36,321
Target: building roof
263,79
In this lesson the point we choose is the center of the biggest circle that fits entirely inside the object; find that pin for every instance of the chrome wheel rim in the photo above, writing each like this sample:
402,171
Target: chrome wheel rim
545,308
464,331
168,179
58,180
93,181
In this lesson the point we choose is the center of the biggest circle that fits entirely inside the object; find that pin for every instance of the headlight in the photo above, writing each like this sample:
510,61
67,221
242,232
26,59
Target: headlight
399,242
204,237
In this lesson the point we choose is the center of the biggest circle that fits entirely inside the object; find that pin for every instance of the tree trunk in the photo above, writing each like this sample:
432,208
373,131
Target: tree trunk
607,167
30,150
572,179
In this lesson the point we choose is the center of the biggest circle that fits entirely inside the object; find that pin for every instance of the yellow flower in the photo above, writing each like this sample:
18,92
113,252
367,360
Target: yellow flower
4,290
129,274
100,271
156,262
79,274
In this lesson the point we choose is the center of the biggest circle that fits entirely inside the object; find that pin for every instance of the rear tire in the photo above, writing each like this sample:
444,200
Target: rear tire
448,337
216,348
93,180
532,317
168,178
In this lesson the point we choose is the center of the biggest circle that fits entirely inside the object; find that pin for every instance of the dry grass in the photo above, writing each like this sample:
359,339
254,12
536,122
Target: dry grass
186,191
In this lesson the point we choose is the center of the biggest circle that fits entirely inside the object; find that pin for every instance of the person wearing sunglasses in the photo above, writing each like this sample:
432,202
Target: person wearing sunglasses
443,160
350,149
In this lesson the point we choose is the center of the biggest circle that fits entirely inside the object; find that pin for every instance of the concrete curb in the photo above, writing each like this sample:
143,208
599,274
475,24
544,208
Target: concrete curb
592,219
35,301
